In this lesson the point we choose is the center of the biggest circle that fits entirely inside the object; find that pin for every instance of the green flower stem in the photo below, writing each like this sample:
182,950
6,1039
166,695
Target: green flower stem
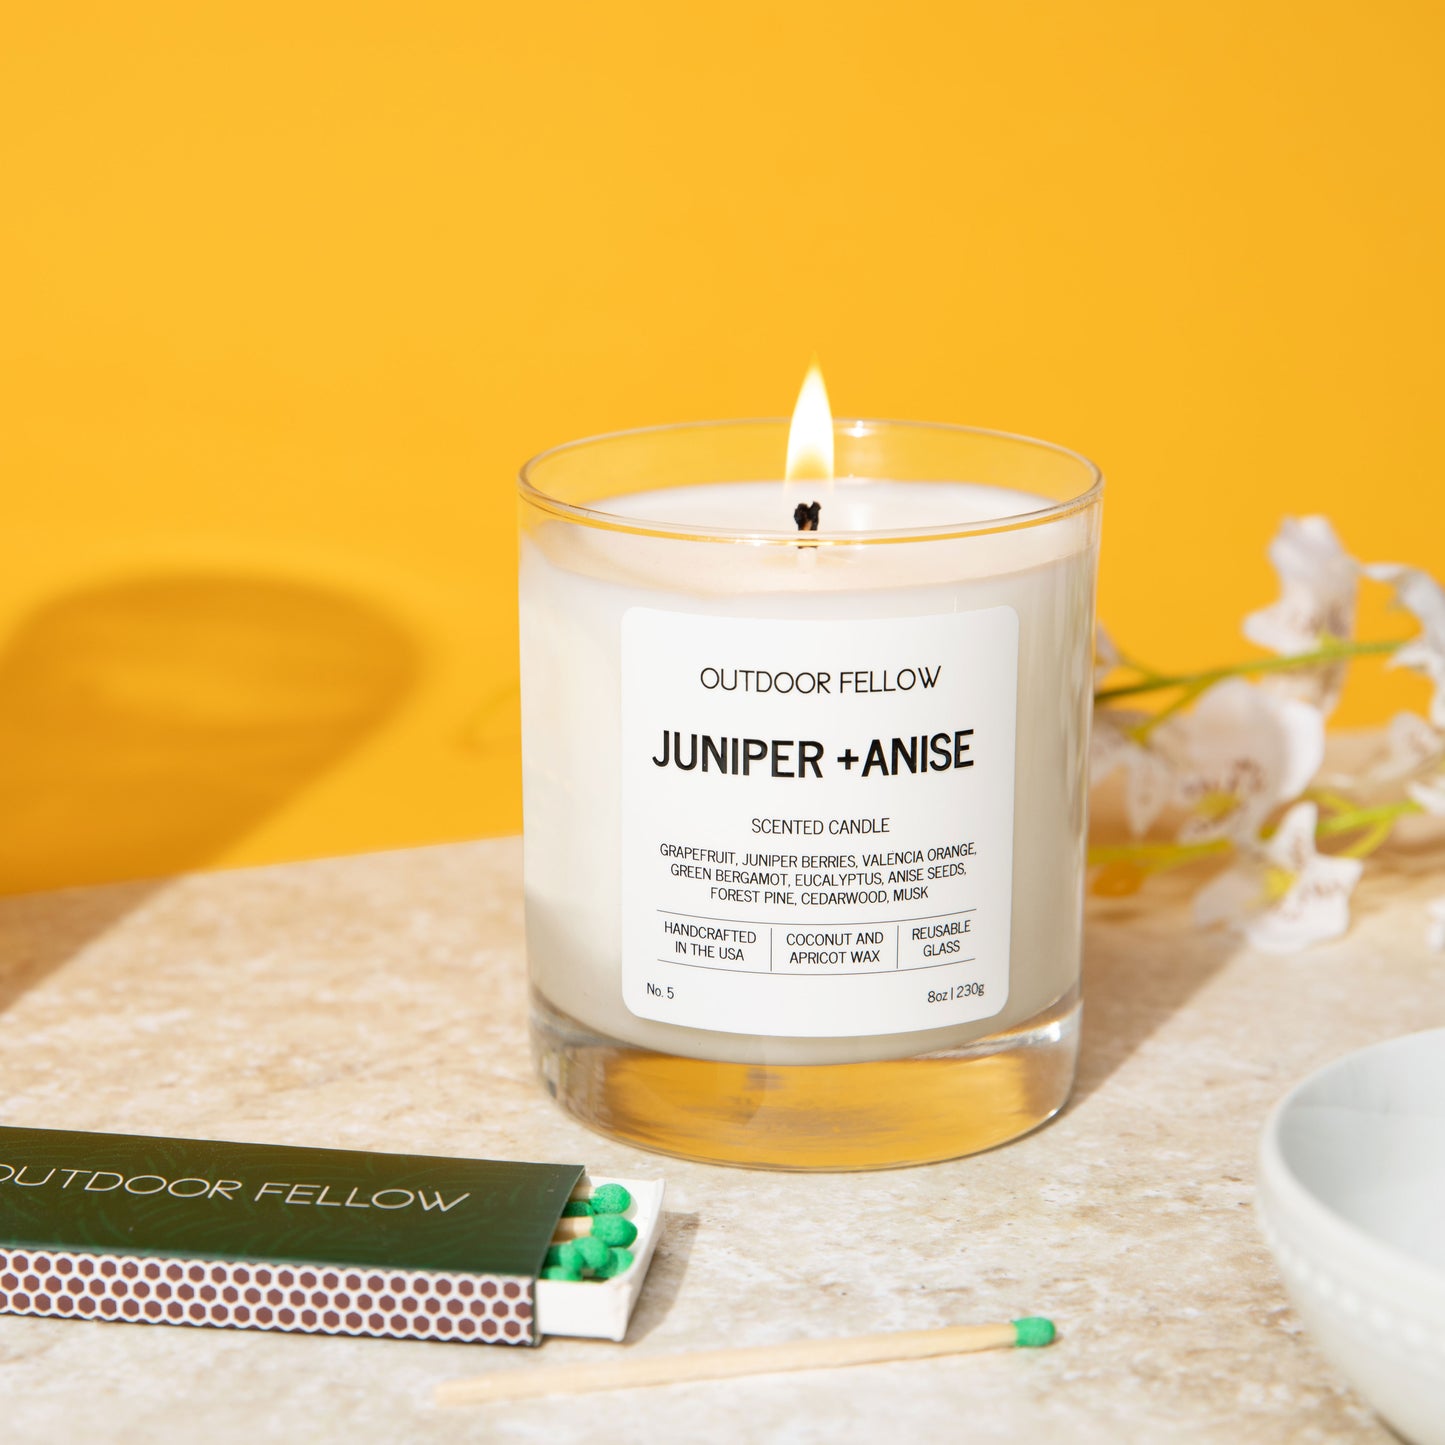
1156,857
1140,731
1377,822
1363,846
1132,664
1335,802
1384,815
1197,682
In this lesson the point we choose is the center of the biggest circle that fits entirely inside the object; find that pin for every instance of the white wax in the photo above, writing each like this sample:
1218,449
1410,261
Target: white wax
578,581
852,504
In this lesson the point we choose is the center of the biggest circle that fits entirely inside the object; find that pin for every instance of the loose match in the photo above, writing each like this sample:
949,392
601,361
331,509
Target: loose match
521,1384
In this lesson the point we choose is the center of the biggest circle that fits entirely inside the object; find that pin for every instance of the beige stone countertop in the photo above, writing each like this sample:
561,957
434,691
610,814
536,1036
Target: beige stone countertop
378,1002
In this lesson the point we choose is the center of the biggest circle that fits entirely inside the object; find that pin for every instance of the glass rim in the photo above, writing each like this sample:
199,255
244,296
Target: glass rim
594,516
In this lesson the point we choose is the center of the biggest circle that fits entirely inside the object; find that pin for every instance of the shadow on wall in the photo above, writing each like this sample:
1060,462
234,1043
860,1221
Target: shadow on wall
147,725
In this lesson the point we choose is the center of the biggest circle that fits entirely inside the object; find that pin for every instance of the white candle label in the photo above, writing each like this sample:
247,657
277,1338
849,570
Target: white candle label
817,835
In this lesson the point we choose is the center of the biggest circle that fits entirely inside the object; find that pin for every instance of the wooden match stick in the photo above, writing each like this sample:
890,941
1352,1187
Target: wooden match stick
611,1229
523,1383
573,1227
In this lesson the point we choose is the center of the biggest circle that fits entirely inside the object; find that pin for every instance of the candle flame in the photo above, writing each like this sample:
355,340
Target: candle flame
810,437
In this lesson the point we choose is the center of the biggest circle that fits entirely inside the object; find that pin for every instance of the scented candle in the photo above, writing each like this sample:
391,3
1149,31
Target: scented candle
805,810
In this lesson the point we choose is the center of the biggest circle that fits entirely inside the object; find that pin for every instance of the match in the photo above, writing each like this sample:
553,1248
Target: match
632,1374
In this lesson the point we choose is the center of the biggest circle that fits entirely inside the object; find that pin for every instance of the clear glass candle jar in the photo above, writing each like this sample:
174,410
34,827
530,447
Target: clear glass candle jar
805,811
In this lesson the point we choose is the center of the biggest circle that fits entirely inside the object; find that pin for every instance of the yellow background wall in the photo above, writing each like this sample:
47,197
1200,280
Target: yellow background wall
288,291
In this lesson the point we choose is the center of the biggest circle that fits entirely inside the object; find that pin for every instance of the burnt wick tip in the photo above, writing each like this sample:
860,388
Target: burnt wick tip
806,515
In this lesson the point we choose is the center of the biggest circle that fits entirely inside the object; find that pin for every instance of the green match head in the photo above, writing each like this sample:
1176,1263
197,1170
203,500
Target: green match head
610,1199
619,1261
569,1255
576,1209
594,1252
613,1229
554,1256
557,1271
1034,1332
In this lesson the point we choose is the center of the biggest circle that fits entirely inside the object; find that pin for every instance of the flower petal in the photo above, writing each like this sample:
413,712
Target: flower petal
1421,657
1410,744
1234,897
1417,592
1238,755
1435,935
1303,727
1293,845
1316,908
1109,741
1148,777
1148,787
1318,583
1284,896
1408,748
1429,793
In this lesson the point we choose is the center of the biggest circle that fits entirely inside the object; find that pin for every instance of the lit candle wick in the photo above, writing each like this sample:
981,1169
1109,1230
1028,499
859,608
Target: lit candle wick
806,515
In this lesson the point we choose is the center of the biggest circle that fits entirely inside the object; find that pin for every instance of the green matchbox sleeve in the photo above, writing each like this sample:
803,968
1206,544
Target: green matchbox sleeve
207,1199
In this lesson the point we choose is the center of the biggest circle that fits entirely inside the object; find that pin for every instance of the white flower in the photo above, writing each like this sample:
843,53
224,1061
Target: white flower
1429,793
1283,895
1409,747
1238,755
1427,786
1421,594
1318,583
1318,580
1148,777
1435,936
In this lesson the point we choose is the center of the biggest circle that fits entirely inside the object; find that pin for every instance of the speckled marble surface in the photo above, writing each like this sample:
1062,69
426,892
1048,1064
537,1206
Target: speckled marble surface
378,1002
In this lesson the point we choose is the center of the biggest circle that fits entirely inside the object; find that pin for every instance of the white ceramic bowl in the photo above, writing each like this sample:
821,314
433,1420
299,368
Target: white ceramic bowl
1352,1201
